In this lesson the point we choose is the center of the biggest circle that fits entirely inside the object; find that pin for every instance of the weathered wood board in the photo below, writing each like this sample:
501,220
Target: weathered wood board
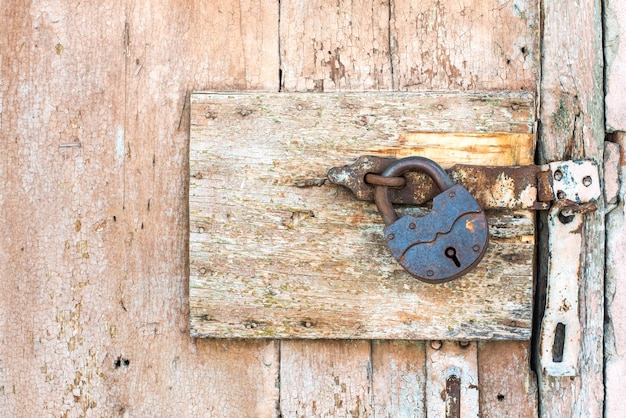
615,63
272,256
572,126
95,115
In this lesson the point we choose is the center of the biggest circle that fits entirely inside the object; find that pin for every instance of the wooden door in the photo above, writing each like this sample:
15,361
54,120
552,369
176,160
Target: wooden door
94,107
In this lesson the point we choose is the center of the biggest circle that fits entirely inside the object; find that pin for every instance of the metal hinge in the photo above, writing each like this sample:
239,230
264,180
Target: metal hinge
561,334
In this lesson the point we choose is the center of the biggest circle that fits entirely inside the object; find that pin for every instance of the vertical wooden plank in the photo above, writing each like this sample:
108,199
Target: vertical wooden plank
329,46
465,45
399,378
93,260
172,48
615,324
572,115
324,378
62,104
615,64
508,387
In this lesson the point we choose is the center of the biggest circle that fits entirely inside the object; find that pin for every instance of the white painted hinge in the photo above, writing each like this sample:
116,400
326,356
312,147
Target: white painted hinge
577,187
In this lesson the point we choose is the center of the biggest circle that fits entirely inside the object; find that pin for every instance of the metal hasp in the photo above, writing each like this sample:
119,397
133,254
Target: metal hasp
445,243
577,186
519,187
452,387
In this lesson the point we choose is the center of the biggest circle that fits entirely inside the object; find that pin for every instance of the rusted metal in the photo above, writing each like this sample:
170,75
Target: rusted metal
415,164
378,180
448,241
453,396
545,192
520,187
452,382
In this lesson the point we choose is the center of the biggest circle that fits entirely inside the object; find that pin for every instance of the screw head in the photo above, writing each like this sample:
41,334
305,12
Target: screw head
452,195
435,344
390,237
587,181
558,175
476,248
412,225
561,194
429,273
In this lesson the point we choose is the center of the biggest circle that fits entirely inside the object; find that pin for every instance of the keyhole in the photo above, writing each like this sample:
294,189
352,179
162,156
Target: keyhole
451,254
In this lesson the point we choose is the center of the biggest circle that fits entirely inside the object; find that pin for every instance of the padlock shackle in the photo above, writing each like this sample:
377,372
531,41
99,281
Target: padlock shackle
431,168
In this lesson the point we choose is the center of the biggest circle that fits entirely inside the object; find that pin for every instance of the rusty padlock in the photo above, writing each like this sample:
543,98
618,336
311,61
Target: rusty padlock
448,241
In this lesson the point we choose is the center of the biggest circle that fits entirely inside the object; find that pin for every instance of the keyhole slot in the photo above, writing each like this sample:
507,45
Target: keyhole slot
451,254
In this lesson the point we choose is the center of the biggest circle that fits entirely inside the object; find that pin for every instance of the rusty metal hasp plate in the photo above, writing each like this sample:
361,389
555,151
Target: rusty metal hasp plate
508,187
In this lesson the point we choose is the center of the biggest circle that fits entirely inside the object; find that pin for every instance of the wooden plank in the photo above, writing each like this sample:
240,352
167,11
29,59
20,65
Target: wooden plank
572,115
615,64
508,388
61,106
465,45
615,320
93,267
323,379
398,378
172,47
259,267
330,46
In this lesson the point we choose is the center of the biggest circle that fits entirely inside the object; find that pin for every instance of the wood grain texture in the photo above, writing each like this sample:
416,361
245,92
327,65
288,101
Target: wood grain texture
465,45
615,320
615,64
94,246
329,46
572,116
270,259
325,378
508,388
94,308
399,378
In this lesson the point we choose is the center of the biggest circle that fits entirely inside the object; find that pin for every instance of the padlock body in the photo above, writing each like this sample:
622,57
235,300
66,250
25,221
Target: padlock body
445,243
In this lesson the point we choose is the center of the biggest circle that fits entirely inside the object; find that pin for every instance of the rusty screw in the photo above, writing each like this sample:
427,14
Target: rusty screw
561,195
558,175
435,344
